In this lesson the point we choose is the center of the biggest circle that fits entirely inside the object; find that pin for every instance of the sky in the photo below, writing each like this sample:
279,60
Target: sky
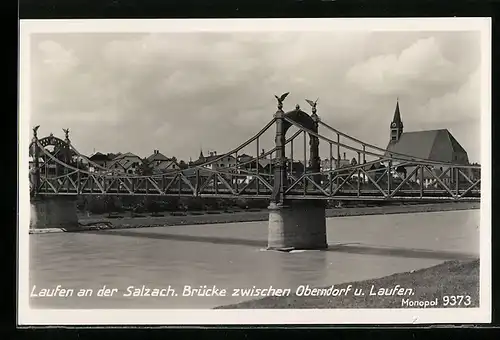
181,92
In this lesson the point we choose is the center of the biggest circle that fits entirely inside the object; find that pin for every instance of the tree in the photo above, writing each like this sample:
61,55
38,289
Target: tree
145,168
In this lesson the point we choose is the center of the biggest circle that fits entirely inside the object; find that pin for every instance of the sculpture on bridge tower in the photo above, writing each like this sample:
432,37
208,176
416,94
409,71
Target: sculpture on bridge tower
281,99
66,134
35,131
313,106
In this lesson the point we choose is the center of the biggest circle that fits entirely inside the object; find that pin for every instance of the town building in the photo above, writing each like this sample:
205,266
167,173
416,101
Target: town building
341,163
265,164
214,161
128,163
159,163
100,159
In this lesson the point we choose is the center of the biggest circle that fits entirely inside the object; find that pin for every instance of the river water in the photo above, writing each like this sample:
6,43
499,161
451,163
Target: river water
231,256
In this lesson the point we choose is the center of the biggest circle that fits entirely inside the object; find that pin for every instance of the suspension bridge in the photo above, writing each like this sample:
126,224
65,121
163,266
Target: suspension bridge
296,193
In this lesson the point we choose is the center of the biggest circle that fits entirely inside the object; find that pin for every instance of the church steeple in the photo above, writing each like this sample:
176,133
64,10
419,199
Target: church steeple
396,124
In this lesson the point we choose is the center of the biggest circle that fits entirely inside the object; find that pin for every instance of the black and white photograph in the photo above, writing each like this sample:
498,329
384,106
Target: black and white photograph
255,171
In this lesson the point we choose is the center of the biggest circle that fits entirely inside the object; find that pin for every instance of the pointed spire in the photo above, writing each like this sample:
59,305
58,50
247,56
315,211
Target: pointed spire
201,154
397,114
396,124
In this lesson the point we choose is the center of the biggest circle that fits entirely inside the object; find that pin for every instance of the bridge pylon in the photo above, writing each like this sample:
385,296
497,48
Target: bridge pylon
50,211
295,223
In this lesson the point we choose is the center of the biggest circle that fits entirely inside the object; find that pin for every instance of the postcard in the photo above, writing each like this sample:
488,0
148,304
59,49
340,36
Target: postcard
254,171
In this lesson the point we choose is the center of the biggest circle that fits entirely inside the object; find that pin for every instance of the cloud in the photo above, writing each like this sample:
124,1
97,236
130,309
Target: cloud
179,91
55,57
415,70
459,106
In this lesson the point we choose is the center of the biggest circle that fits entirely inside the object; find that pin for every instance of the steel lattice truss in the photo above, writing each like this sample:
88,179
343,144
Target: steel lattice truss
362,181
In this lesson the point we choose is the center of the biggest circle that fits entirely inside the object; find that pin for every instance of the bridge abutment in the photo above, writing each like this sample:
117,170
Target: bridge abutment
297,225
53,212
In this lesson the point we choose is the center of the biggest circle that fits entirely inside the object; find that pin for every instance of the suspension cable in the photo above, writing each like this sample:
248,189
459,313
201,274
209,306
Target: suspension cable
265,154
406,159
379,148
241,146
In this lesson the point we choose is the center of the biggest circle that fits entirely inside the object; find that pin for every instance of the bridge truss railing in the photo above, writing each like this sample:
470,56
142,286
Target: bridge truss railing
353,182
383,178
379,179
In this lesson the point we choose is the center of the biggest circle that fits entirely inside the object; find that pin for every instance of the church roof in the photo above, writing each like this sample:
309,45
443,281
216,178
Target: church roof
437,145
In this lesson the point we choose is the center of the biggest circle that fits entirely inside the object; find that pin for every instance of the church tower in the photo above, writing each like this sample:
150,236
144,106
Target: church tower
396,125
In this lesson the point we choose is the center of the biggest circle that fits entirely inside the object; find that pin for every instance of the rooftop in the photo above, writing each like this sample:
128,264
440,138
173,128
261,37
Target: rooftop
437,145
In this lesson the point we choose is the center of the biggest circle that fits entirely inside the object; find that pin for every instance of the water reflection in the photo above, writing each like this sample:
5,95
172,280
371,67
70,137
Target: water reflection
400,252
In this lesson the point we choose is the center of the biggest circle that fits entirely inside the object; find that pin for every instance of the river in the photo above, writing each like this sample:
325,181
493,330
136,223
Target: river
232,256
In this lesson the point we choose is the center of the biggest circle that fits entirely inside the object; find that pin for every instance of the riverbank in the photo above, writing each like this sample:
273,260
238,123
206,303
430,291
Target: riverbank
104,222
452,278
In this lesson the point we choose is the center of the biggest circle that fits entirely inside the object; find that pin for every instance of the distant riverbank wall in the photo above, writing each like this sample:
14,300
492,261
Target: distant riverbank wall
122,221
100,205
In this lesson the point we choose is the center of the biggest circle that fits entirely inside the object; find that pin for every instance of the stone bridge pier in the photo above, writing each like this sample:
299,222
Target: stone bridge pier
53,212
295,224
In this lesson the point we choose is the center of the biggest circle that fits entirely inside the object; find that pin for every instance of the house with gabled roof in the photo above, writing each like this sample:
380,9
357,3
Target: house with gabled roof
160,163
100,159
128,163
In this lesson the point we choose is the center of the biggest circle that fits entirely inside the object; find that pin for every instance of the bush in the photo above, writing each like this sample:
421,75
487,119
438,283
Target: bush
258,204
148,204
151,204
193,203
81,203
96,205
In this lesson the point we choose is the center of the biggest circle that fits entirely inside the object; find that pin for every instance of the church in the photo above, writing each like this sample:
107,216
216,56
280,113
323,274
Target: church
436,145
